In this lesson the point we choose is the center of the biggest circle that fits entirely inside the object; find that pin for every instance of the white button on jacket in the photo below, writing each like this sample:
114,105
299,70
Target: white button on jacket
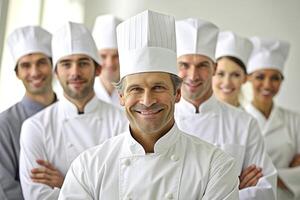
59,134
282,138
235,132
198,171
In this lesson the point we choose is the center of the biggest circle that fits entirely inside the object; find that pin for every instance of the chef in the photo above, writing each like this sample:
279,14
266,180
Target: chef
153,159
105,36
201,114
280,127
30,47
54,137
232,54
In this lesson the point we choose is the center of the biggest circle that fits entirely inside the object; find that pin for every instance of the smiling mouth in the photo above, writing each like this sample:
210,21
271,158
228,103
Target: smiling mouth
149,112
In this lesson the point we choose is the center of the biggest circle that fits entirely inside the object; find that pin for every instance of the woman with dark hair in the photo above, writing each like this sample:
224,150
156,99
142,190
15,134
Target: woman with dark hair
280,127
232,54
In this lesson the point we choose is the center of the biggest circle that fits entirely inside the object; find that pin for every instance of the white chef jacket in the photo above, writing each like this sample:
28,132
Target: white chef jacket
181,167
59,134
235,132
281,132
103,95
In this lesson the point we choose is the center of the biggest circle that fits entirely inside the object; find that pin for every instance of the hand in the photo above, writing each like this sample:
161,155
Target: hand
296,161
281,184
47,174
250,176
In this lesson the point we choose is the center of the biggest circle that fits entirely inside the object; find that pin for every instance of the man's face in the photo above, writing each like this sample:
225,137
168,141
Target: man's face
35,71
110,65
149,102
196,72
76,74
266,84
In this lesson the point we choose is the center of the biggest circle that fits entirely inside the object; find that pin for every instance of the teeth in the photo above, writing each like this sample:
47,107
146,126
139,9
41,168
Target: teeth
266,92
226,90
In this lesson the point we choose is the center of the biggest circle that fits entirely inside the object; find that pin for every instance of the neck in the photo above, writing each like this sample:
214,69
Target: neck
107,85
264,108
81,103
201,100
148,140
233,102
44,99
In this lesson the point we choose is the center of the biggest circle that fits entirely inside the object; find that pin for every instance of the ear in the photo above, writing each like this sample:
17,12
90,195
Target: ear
178,95
214,68
98,70
122,99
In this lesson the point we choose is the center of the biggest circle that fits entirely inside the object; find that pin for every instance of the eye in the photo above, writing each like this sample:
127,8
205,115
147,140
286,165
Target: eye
42,62
65,64
135,90
25,65
275,78
259,77
220,74
236,75
183,66
159,88
83,63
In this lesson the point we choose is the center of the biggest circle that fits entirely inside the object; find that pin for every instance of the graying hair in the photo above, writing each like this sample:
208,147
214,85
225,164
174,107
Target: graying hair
176,81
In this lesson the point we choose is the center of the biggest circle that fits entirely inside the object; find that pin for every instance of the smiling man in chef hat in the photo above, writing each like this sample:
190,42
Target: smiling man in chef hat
105,36
54,137
153,159
199,112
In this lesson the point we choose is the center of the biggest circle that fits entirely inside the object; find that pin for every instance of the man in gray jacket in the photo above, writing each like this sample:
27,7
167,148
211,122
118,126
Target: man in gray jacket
31,50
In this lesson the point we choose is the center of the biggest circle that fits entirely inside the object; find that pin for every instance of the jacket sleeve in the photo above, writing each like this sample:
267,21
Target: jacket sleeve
223,179
10,187
32,148
291,176
256,154
76,183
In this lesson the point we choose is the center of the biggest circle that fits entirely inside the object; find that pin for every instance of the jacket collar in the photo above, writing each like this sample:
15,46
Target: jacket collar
31,107
266,125
71,110
161,146
209,106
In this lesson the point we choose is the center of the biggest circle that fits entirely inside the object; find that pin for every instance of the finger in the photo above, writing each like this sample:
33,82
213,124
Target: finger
41,176
43,170
45,163
253,181
252,174
247,171
43,181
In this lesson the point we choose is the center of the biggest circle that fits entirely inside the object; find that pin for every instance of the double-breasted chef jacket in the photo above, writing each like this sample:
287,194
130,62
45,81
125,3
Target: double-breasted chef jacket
235,132
59,134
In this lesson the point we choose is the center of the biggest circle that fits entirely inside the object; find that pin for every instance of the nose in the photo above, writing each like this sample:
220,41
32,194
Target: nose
35,71
226,80
148,99
75,70
192,73
267,83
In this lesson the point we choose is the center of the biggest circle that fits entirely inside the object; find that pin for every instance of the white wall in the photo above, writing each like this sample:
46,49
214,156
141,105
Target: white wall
269,18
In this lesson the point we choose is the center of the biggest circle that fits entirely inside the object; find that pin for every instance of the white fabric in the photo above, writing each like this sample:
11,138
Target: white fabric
181,167
196,36
73,38
282,139
268,54
59,134
235,132
102,93
104,32
231,44
146,42
27,40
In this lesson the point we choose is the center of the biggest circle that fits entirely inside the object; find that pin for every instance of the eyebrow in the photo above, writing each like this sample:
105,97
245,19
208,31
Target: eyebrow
80,59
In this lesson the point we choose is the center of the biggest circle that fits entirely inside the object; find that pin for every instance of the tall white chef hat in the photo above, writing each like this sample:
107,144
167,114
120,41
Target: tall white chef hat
27,40
268,54
231,44
73,38
147,43
104,32
195,36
